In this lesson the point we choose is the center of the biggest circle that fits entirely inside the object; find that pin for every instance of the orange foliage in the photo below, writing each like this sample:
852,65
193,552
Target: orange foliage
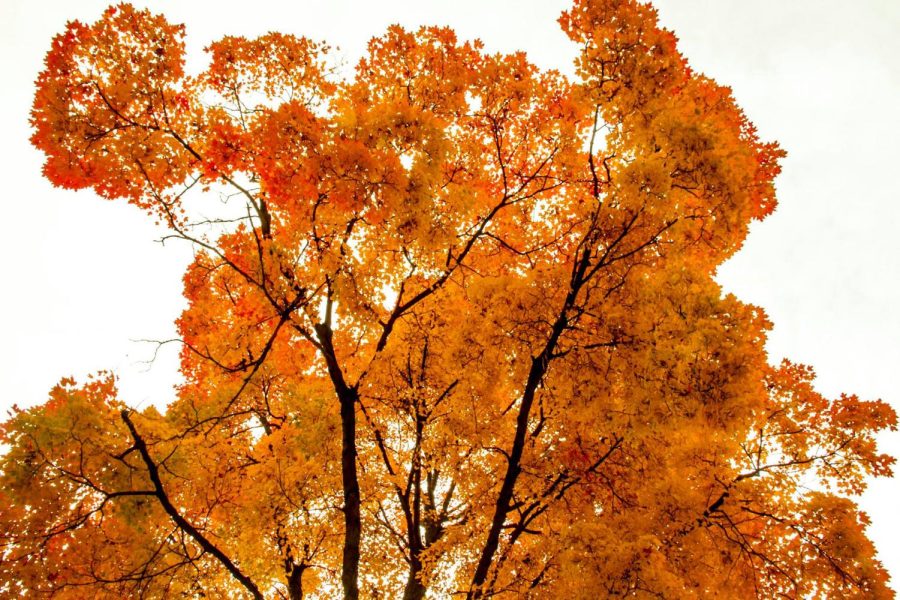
464,337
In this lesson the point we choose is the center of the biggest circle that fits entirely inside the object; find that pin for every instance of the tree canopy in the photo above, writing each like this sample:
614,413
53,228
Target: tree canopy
455,333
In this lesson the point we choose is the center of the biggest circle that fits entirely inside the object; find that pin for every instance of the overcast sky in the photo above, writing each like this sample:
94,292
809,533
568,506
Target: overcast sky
83,278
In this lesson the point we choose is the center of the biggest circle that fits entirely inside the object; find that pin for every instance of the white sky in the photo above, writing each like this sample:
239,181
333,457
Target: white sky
83,278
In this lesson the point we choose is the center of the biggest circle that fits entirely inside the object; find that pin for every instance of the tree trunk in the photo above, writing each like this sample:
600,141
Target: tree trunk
295,582
539,365
352,522
348,397
415,589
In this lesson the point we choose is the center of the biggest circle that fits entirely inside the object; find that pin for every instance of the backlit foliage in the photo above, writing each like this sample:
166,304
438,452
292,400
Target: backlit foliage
461,336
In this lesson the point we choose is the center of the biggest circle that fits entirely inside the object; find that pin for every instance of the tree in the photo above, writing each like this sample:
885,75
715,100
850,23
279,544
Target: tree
461,336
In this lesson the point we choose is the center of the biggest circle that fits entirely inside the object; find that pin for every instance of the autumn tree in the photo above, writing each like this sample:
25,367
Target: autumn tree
455,333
